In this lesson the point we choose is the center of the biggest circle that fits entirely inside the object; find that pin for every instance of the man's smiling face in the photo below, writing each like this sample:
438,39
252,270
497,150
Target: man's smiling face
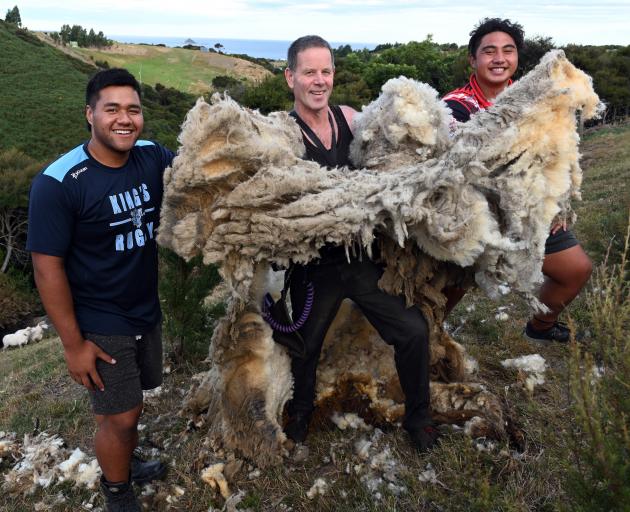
495,60
312,79
116,119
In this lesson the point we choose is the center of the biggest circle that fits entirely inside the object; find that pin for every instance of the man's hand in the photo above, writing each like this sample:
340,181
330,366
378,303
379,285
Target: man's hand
81,362
557,226
54,290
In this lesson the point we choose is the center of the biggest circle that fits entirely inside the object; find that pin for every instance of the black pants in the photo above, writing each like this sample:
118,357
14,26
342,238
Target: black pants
404,328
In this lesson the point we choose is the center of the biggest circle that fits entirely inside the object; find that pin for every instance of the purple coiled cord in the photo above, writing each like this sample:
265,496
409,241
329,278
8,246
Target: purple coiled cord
289,328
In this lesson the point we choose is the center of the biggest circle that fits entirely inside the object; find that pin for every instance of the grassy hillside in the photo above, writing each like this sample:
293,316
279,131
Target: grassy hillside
535,473
42,95
190,71
43,98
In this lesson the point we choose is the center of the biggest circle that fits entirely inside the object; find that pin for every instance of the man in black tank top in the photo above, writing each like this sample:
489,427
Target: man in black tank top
327,135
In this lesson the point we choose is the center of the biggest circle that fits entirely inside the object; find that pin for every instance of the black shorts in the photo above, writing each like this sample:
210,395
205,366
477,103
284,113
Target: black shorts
138,366
563,239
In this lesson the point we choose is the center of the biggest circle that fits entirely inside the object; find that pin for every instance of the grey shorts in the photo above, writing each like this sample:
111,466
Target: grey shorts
138,366
563,239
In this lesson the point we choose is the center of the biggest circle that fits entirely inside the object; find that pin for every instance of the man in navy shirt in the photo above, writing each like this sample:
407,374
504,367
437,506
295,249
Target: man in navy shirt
93,216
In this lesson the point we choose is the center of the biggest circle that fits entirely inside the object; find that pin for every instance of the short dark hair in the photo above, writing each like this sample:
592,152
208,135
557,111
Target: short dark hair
304,43
105,78
488,25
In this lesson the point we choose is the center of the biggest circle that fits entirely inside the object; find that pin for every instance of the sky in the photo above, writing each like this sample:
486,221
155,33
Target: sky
369,21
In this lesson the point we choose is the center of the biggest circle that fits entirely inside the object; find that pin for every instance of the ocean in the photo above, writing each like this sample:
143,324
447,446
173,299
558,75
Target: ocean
276,50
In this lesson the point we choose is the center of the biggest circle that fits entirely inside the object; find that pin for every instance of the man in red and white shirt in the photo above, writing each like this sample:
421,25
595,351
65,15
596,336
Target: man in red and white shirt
493,54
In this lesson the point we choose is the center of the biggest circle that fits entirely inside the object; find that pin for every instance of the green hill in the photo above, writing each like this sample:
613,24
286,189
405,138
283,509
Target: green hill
42,100
190,71
42,95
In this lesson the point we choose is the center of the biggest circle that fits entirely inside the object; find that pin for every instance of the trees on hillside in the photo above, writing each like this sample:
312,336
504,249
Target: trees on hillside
164,110
610,68
13,16
532,52
269,95
82,37
360,74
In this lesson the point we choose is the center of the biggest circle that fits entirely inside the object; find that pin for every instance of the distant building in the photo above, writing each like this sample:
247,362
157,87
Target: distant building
203,49
74,44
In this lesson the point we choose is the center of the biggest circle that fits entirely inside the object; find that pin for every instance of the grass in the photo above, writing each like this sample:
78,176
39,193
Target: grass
603,213
538,475
37,393
189,71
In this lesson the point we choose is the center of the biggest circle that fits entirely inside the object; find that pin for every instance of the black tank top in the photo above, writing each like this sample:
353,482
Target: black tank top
338,154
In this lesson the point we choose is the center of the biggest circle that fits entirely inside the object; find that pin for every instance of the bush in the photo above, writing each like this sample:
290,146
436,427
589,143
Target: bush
224,82
270,95
600,389
188,324
16,173
17,300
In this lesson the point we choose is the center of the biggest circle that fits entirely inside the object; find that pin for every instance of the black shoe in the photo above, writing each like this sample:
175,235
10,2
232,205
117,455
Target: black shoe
296,428
557,332
119,497
424,438
143,472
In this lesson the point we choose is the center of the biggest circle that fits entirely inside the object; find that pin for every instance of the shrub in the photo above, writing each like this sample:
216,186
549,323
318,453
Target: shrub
17,300
600,390
188,323
224,82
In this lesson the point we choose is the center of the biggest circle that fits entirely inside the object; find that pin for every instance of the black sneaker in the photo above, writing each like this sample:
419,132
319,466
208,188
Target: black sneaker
557,332
119,497
424,438
143,472
296,428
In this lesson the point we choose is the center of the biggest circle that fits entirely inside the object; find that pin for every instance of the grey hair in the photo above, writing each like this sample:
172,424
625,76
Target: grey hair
304,43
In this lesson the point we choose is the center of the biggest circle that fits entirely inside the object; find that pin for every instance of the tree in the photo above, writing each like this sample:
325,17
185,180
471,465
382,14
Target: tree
64,34
532,52
428,59
13,16
218,47
342,51
82,37
16,173
183,288
269,95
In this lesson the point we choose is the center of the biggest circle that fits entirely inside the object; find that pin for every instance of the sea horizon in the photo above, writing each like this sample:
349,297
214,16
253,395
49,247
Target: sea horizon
260,48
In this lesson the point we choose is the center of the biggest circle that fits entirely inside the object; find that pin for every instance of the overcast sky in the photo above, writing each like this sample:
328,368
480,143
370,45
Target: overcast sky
370,21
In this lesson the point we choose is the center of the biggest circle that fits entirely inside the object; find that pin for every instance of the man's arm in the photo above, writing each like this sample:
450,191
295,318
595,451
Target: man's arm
348,113
54,290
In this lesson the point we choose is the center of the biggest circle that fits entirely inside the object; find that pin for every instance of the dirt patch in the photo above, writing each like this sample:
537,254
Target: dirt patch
234,65
128,49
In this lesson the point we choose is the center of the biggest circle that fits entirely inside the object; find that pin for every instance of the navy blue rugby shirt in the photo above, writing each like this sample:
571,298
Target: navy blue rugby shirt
103,222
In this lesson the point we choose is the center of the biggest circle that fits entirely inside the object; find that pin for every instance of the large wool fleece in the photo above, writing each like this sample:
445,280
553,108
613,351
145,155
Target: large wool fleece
477,205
